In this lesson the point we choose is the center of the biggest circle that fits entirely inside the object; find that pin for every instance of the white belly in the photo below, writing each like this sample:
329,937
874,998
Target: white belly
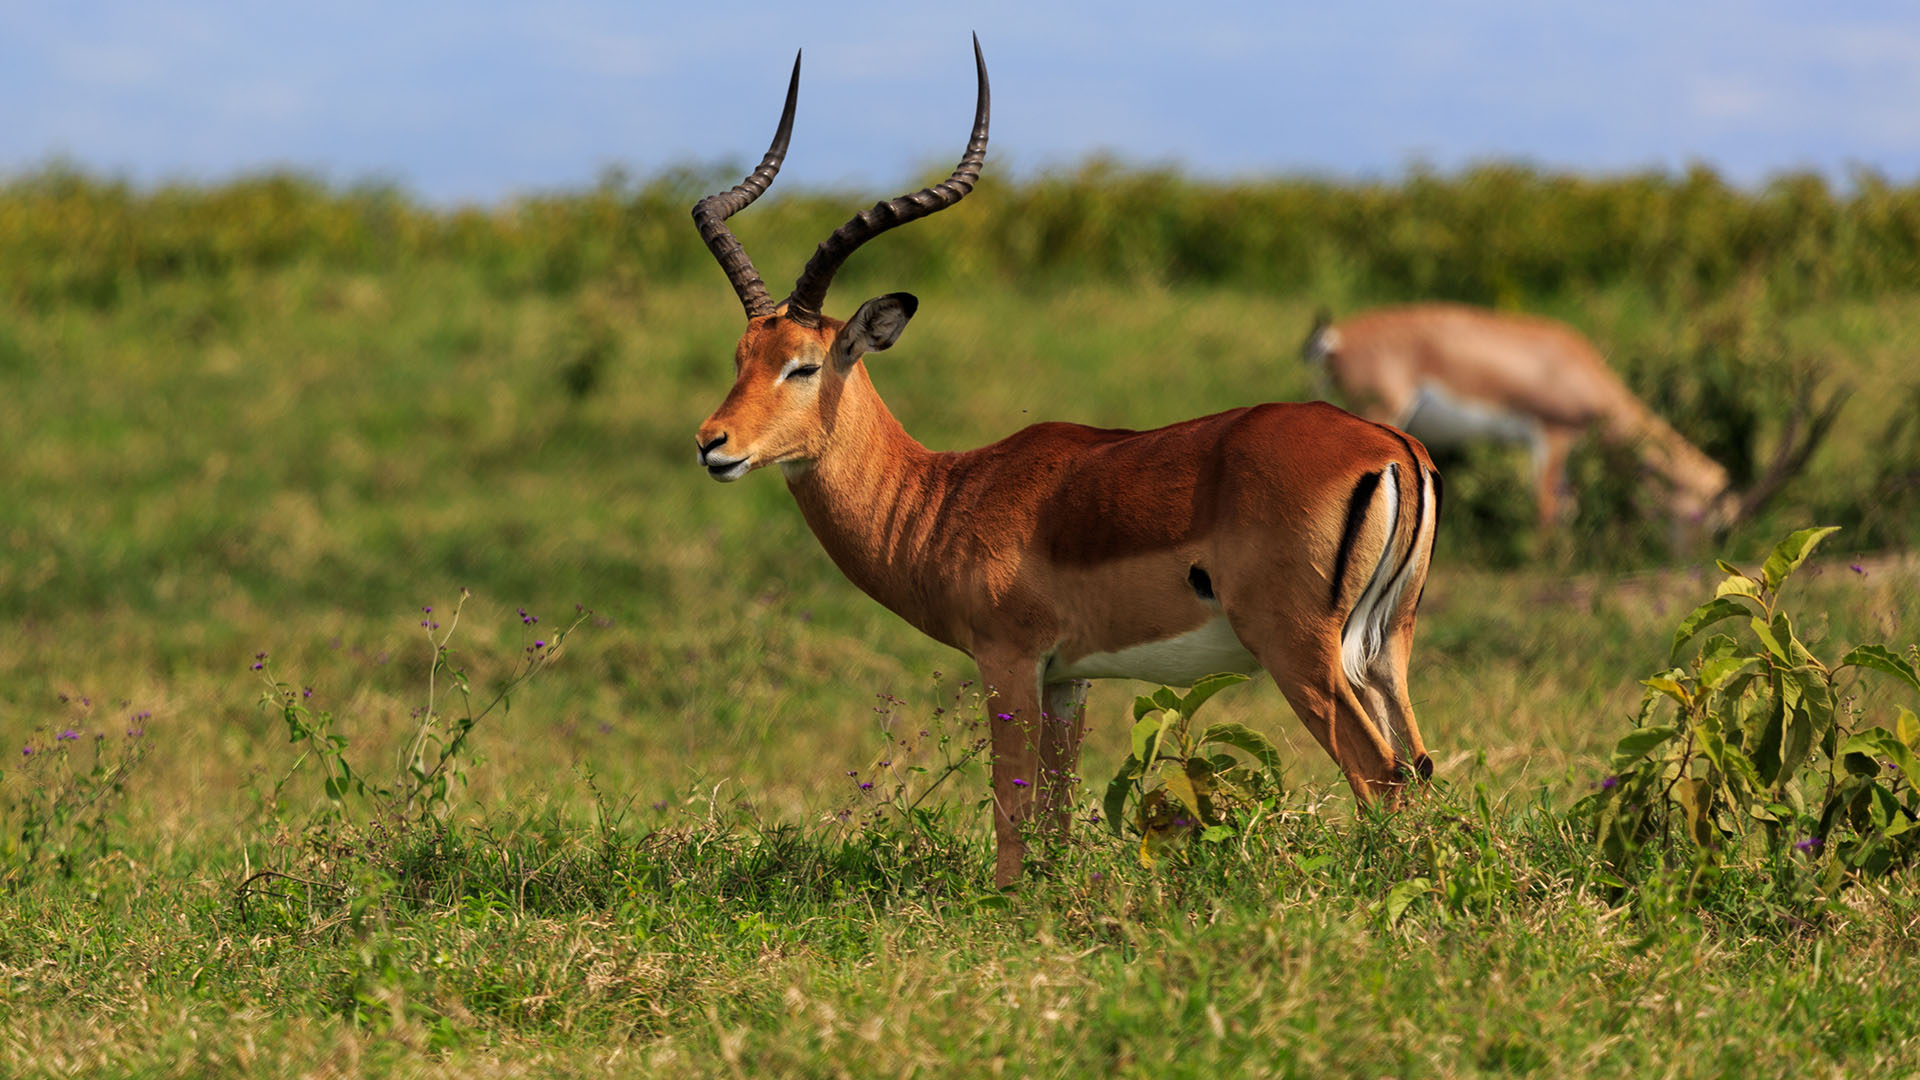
1440,418
1175,661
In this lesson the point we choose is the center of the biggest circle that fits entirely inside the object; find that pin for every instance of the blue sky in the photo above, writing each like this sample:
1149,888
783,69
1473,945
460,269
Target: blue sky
466,102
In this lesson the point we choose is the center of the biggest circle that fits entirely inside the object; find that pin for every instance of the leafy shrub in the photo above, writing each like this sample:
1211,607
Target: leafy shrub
1211,783
1754,752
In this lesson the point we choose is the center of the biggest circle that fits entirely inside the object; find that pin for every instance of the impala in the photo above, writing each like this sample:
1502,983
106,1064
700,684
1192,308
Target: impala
1293,538
1450,374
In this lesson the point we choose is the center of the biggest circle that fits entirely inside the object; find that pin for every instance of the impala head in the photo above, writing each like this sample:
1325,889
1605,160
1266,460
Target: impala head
793,362
1322,341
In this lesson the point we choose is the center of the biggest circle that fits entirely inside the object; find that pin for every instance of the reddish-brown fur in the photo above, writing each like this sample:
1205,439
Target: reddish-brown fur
1062,541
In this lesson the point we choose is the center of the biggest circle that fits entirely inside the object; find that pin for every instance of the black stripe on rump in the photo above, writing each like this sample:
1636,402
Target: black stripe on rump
1357,504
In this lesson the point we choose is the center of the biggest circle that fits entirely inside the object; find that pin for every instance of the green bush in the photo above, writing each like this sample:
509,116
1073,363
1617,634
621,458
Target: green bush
1499,234
1756,754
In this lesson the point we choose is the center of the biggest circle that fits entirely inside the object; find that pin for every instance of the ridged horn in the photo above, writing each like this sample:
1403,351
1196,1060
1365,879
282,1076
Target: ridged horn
710,214
810,292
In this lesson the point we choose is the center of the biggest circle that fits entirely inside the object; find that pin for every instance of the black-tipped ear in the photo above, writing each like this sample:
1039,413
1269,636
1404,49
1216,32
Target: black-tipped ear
876,326
1322,318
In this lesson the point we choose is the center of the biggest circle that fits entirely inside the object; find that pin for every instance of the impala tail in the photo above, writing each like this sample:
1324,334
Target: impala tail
1392,516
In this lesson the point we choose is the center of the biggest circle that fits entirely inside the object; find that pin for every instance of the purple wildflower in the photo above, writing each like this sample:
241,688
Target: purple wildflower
1017,782
866,785
68,735
135,732
1003,716
26,751
1858,569
1809,846
1181,822
1609,783
853,772
259,660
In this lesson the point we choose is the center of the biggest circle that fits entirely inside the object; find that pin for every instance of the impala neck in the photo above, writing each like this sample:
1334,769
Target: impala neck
869,497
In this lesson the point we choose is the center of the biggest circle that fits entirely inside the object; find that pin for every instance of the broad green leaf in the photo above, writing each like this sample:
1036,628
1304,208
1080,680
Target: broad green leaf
1115,804
1715,674
1765,741
1213,834
1720,607
1814,696
1881,658
1637,743
1143,705
1167,698
1401,896
1719,647
1178,784
1791,552
1878,742
1775,645
1729,568
1739,585
1908,727
1207,687
1144,730
1796,741
1694,797
1241,737
1671,688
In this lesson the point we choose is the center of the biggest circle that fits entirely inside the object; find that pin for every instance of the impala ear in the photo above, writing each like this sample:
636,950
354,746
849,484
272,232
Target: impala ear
876,326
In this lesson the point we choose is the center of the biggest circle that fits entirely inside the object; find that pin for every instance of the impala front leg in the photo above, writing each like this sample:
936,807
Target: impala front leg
1013,719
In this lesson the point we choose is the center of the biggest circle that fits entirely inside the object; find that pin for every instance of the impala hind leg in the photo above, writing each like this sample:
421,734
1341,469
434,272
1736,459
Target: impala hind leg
1316,686
1390,705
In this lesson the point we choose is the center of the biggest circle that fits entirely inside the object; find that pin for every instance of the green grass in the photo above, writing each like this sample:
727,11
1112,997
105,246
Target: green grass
297,458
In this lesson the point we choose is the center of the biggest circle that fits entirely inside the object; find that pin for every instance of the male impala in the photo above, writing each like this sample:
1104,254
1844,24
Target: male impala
1451,374
1293,538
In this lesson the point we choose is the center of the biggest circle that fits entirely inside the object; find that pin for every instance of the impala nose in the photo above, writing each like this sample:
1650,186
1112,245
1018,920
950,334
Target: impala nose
708,446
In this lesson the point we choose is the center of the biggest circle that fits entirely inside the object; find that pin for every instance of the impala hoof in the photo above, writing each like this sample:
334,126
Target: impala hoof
1423,765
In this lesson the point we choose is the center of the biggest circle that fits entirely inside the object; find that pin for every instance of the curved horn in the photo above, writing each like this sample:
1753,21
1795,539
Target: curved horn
810,292
710,214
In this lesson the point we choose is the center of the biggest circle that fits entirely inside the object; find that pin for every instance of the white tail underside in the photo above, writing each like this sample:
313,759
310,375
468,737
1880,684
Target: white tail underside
1365,633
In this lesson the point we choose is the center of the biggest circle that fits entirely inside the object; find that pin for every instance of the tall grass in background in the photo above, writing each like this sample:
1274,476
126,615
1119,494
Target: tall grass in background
1495,234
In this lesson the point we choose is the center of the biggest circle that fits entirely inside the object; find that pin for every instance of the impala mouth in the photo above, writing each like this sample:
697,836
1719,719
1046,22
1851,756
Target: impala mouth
727,470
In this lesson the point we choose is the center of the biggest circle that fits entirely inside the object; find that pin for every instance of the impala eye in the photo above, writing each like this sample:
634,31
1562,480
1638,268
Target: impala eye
802,372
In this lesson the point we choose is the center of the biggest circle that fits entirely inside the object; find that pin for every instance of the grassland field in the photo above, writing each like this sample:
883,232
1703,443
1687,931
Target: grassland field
660,861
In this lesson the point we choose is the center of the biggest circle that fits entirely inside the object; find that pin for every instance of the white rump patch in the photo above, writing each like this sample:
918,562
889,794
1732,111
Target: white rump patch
1175,661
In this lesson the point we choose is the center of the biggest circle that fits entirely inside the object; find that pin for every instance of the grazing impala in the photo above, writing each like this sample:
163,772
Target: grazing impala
1293,538
1451,374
